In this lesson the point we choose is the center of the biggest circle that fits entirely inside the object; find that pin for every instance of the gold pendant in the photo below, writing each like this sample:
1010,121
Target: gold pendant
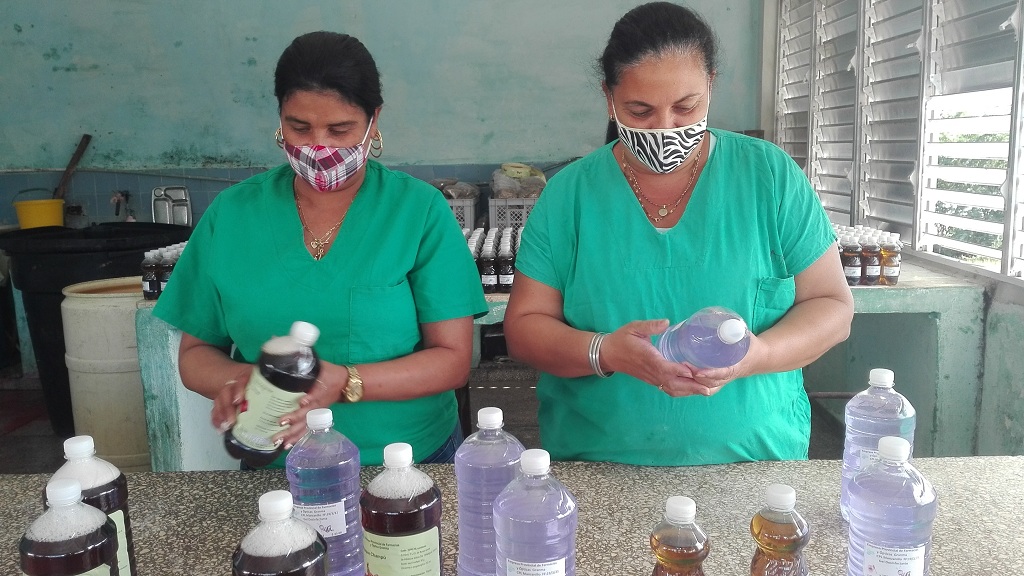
663,211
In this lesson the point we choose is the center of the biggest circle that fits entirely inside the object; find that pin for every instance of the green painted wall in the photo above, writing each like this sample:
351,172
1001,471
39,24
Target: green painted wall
190,83
1001,426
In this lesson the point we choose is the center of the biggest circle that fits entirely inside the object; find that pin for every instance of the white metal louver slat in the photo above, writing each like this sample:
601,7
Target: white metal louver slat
792,101
833,106
967,131
891,110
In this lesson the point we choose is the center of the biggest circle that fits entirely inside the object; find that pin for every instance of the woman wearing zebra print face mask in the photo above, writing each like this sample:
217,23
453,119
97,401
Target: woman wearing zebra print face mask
667,218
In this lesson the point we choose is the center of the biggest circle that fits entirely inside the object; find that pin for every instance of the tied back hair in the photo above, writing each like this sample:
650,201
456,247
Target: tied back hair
651,30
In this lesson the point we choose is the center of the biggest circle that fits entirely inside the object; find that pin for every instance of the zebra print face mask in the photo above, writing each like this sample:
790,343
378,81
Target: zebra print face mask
662,149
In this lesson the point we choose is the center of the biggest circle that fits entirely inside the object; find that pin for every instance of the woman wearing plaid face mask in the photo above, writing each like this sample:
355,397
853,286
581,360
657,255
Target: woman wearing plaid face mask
372,257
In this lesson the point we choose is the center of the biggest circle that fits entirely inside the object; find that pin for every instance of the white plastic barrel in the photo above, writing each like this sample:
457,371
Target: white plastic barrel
103,369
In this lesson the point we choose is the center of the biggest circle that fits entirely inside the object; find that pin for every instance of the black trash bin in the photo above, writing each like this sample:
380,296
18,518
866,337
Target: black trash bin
44,260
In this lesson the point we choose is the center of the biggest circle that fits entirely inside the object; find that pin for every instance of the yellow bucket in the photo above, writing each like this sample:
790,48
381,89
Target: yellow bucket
36,213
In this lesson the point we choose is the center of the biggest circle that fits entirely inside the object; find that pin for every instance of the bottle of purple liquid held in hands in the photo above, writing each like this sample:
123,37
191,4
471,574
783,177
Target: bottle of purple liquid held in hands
713,337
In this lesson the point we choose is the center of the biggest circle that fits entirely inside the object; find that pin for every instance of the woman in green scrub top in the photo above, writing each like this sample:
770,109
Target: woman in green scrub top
374,258
667,218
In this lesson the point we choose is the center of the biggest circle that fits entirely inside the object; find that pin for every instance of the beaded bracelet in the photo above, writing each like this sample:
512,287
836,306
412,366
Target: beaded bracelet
594,355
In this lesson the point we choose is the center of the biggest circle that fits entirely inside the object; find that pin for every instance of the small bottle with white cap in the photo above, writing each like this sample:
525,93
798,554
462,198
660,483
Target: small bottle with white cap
280,545
71,537
679,544
713,337
401,513
781,534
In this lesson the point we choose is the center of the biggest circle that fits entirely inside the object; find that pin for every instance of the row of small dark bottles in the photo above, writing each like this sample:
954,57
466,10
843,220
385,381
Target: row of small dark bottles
157,266
870,257
495,256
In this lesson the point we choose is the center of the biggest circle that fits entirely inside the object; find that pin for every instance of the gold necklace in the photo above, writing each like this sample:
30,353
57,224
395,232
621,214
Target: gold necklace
319,245
663,210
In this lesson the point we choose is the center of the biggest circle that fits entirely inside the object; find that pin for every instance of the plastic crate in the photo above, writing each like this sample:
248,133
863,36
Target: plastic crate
464,210
505,212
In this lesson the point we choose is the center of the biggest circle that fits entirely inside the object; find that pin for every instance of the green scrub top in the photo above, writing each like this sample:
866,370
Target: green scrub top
398,260
753,222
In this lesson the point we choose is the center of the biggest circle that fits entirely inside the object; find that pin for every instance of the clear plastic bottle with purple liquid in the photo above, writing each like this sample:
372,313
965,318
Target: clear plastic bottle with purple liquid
876,412
484,464
713,337
892,510
323,476
535,519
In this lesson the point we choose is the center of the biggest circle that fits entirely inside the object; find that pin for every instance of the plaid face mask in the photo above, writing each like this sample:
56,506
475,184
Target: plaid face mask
326,168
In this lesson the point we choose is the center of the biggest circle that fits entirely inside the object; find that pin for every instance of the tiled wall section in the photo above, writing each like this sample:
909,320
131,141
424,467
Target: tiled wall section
93,190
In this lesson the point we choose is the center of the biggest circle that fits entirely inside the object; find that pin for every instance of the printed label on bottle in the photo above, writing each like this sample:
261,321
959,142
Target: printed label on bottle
872,270
890,270
851,271
552,568
415,555
100,571
328,519
506,278
489,279
867,457
123,565
263,407
900,561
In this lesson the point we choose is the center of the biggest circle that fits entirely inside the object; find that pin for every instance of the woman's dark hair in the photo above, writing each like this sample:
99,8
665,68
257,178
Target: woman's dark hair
328,61
652,30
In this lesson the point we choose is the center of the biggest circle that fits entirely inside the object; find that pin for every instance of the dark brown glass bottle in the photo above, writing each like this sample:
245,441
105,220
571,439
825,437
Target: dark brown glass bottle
870,261
488,271
390,509
506,271
850,258
287,368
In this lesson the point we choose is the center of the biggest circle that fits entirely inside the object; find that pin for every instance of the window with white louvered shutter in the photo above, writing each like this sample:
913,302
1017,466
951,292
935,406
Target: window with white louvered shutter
968,132
833,106
792,103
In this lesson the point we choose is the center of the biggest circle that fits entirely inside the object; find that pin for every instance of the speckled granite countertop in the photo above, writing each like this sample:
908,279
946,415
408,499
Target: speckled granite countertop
190,522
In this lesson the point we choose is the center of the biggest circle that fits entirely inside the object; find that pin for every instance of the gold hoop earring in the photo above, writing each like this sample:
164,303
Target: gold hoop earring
279,138
376,145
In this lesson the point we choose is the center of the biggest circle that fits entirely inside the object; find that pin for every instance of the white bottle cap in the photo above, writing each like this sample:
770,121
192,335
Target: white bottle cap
319,419
893,448
275,505
732,330
489,417
79,447
397,455
63,491
881,377
780,497
535,461
680,509
304,333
